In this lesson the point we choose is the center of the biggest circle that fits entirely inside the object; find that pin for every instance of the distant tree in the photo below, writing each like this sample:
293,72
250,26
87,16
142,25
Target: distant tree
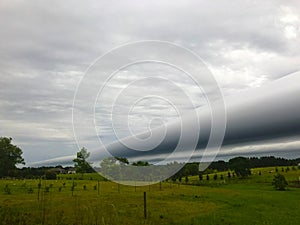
10,156
50,175
279,182
123,160
81,163
141,163
241,166
215,176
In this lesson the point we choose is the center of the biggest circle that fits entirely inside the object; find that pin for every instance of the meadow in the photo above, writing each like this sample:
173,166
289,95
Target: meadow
88,199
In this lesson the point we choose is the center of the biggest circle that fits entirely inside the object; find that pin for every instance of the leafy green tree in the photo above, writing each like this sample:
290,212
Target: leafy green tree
279,182
81,163
141,163
50,175
123,160
10,156
241,166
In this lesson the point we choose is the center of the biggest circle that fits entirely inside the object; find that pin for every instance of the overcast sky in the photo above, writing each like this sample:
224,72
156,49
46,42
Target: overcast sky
46,47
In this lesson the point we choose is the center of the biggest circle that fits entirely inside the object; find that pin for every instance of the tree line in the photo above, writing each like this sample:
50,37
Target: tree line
11,156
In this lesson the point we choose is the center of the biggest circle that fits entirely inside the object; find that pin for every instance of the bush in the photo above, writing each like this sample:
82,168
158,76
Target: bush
215,177
50,175
186,179
279,182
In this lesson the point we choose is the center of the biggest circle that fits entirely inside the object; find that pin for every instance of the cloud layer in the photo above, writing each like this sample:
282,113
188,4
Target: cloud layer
46,46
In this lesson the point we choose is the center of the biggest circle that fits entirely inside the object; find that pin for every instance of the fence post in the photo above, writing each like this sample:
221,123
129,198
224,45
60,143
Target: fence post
145,205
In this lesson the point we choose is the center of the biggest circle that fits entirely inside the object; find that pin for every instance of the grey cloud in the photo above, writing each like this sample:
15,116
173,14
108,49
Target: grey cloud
46,47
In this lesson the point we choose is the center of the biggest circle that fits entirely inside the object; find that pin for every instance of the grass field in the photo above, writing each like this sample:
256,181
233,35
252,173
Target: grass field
230,201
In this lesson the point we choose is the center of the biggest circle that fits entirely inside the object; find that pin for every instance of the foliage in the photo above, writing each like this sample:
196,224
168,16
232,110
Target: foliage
50,175
10,156
141,163
122,159
241,166
172,204
81,163
279,182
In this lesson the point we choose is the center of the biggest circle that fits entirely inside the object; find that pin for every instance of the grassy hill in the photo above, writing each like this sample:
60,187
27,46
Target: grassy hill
229,201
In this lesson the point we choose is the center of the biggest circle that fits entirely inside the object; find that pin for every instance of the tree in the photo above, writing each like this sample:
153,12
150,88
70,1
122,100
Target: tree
122,160
81,163
141,163
241,166
279,182
50,175
10,156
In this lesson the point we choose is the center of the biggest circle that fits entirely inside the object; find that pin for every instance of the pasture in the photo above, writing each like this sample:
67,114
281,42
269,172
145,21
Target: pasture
77,200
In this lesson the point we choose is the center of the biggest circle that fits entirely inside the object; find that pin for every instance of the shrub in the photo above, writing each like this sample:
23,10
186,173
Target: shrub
279,182
207,177
50,175
200,177
215,176
186,179
229,175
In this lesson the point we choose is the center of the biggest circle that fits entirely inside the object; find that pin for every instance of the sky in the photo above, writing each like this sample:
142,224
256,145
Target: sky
47,47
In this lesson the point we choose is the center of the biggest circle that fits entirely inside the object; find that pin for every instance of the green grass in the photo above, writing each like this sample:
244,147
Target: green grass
237,201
